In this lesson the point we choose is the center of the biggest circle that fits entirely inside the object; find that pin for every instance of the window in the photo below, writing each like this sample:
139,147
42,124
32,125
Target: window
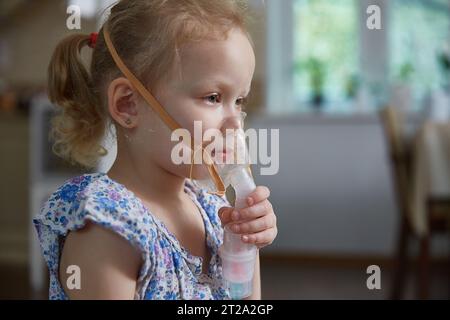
419,34
321,53
325,52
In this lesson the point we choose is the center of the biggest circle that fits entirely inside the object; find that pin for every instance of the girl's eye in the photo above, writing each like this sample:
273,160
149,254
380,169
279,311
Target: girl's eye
214,98
241,102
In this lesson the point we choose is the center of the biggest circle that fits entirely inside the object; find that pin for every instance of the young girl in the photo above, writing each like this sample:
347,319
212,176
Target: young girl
143,230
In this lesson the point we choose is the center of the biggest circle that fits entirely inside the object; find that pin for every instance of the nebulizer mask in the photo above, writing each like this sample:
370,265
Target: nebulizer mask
229,165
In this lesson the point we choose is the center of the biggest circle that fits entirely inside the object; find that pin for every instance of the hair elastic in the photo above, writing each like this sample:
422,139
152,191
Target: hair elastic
93,39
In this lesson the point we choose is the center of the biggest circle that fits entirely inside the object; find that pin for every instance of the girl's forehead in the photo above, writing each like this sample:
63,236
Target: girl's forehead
234,45
230,59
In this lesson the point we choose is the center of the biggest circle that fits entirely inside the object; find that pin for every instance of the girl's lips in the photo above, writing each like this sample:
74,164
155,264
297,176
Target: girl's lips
226,151
222,154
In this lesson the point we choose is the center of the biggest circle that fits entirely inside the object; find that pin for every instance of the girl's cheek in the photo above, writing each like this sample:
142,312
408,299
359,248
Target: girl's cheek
213,119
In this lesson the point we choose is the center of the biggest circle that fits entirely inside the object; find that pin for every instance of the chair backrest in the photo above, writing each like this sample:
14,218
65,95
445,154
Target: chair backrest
399,156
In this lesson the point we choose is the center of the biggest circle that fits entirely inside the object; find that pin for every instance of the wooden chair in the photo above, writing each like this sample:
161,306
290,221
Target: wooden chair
400,157
438,210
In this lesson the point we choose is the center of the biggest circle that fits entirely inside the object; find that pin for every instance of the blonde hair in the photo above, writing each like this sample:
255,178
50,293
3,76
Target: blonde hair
147,35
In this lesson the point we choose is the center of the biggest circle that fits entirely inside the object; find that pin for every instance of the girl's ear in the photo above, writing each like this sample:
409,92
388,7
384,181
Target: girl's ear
123,103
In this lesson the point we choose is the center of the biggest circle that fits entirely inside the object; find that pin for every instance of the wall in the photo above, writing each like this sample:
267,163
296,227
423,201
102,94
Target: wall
32,33
333,193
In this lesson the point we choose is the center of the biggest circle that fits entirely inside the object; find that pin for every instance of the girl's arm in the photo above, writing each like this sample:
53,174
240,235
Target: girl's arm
256,294
109,265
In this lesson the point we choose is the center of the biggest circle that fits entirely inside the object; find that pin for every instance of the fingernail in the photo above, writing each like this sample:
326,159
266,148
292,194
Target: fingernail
250,201
235,215
235,228
245,238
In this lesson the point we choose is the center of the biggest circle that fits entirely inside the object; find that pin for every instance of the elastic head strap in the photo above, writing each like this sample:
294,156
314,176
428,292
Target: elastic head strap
171,123
168,120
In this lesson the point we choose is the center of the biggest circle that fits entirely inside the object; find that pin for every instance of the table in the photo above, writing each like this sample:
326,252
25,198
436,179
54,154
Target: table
431,172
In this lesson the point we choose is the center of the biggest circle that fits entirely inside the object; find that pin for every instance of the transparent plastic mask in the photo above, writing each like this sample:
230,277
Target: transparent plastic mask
233,156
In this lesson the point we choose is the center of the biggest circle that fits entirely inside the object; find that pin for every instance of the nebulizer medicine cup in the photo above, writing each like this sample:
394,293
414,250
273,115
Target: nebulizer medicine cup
238,263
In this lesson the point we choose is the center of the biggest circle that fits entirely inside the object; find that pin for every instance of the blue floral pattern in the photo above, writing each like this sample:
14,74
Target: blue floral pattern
168,270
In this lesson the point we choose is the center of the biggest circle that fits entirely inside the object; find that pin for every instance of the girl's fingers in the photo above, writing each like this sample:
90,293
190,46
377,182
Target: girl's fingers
225,214
261,239
261,193
258,210
256,225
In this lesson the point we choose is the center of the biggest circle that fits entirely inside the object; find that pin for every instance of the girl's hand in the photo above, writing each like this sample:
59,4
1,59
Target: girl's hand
257,223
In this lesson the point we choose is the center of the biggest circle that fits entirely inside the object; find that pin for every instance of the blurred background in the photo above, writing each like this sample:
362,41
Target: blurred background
364,122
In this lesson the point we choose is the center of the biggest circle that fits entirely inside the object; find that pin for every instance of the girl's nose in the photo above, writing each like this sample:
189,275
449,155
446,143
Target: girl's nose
234,121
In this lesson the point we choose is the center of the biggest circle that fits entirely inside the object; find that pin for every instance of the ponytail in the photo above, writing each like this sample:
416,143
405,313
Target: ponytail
79,126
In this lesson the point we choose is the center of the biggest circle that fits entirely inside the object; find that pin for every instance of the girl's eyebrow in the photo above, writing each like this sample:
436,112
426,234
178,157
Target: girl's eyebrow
221,85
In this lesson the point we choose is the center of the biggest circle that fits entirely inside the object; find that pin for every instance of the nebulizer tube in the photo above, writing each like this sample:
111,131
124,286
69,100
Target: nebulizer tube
238,258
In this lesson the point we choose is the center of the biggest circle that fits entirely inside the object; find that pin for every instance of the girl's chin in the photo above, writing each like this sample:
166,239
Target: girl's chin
199,172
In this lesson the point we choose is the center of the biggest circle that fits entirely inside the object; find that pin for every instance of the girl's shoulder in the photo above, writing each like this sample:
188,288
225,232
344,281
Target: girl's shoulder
95,198
92,198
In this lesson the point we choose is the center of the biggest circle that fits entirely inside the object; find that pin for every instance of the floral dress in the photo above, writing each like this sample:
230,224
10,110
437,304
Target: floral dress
168,270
